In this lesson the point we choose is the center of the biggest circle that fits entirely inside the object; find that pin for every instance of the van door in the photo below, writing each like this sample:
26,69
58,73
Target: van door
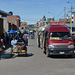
46,42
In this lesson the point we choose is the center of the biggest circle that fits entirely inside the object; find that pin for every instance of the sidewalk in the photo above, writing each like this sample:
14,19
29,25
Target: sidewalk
6,53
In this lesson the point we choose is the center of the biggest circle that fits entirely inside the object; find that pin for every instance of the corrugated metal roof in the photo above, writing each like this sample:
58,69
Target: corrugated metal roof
59,28
3,12
69,25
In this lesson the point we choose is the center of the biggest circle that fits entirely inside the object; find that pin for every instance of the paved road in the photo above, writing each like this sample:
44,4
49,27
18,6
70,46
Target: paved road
37,63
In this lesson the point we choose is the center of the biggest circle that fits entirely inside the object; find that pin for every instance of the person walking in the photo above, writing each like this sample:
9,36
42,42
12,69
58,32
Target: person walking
10,38
17,36
1,46
25,37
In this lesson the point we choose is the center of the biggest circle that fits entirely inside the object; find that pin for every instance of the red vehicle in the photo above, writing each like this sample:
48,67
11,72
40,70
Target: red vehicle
58,40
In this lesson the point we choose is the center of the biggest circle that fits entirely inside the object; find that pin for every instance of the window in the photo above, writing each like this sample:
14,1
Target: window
59,35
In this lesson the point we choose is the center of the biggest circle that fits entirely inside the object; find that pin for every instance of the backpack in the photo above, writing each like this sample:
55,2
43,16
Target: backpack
25,37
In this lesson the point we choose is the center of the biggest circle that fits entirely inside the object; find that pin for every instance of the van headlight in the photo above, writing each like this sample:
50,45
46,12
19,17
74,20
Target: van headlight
71,46
50,46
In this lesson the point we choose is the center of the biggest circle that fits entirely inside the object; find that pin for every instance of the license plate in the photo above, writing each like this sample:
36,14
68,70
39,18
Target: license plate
61,52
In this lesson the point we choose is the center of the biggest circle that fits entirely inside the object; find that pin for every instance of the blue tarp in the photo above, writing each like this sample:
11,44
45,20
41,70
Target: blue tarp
12,31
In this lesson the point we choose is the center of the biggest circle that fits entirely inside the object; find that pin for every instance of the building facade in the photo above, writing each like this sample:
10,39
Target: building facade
1,26
3,14
73,17
50,20
65,20
3,22
8,22
14,19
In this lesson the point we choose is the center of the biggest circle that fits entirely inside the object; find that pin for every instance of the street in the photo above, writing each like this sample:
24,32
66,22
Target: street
36,63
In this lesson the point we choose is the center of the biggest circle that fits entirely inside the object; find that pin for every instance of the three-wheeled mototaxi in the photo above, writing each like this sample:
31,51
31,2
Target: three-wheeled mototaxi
19,48
31,35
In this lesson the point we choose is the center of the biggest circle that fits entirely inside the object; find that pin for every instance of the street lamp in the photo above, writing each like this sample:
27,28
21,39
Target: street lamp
71,16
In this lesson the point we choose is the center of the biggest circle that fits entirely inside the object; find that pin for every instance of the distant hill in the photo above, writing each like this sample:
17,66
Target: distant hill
31,26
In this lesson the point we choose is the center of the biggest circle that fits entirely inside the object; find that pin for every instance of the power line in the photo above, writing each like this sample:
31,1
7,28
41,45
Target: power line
60,13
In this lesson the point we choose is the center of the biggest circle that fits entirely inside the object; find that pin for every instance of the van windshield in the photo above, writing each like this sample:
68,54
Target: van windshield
60,36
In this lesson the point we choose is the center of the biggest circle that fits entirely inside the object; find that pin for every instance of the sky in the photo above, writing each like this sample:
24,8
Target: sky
34,10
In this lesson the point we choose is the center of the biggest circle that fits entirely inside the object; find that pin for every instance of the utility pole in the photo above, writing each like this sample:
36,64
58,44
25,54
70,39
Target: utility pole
64,14
71,18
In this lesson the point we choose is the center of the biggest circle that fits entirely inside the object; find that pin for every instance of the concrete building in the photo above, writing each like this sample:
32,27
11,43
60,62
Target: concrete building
44,18
1,26
3,22
41,22
73,17
50,20
3,14
5,25
24,25
68,21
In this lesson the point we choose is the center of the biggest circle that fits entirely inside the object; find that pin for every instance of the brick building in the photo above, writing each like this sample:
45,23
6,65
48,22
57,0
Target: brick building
65,20
14,20
8,22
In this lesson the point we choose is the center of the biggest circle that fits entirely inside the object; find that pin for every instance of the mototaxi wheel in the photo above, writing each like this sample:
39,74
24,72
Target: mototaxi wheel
26,51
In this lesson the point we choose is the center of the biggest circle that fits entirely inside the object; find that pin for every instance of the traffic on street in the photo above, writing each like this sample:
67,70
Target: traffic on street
36,63
37,37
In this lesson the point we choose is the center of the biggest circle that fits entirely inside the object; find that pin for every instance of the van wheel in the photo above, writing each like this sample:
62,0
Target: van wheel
70,56
26,52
